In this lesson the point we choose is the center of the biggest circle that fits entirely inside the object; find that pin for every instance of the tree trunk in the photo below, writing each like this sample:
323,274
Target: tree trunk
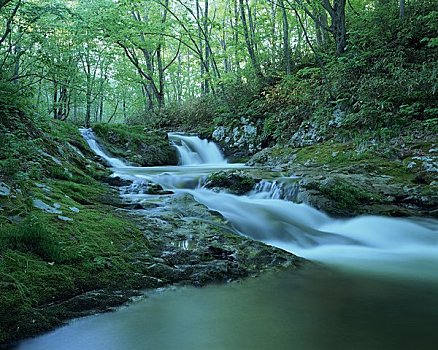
402,8
286,41
249,44
338,29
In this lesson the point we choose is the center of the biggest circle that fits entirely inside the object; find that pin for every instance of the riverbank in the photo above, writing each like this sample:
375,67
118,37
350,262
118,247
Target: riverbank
71,247
343,181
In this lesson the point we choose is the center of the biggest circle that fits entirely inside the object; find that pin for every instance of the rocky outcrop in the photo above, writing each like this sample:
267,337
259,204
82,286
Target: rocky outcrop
238,141
350,188
138,145
187,249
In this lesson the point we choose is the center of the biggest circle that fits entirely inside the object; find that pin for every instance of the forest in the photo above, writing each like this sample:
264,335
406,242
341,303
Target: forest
154,143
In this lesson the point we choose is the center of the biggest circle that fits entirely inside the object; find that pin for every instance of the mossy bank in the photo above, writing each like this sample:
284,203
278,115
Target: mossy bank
137,144
69,246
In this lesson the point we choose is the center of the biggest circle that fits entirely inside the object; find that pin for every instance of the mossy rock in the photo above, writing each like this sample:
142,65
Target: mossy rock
137,144
237,182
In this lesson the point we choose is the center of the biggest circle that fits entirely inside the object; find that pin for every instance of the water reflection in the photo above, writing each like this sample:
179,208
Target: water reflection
310,310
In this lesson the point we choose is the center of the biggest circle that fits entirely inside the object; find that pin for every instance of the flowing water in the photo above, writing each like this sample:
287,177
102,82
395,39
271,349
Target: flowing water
381,293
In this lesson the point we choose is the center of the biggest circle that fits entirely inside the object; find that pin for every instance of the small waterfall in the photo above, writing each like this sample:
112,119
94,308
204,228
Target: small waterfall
192,150
282,188
90,138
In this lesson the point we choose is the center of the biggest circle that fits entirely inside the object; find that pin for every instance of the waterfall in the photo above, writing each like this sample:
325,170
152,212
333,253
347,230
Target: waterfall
192,150
90,138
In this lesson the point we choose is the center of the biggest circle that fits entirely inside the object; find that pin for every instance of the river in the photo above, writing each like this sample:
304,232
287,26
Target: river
380,291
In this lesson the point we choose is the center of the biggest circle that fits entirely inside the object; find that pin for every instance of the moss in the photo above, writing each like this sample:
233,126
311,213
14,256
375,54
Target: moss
236,182
43,259
347,195
137,144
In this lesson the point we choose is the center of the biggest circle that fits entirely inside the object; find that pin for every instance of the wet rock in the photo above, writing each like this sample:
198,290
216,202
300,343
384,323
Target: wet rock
215,271
165,272
237,182
90,303
145,187
117,181
138,145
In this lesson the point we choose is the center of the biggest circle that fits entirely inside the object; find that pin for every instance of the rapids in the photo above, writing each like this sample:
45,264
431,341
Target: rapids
397,247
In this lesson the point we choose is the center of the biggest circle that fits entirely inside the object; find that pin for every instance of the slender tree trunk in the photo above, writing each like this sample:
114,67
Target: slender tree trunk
273,31
207,45
236,36
125,115
249,44
55,100
402,8
286,40
75,106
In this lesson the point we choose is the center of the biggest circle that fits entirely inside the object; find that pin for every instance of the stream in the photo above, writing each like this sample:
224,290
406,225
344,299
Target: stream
380,291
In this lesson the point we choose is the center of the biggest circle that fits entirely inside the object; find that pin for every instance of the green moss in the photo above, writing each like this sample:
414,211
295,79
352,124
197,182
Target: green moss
137,144
346,195
30,236
236,182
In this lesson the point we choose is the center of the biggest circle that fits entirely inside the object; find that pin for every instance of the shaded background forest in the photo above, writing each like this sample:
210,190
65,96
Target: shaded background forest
188,65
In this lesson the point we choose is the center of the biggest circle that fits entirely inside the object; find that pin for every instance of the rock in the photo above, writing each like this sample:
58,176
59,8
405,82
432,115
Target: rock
5,191
37,203
146,187
308,134
242,138
15,219
44,187
237,182
54,159
64,218
144,148
117,181
74,209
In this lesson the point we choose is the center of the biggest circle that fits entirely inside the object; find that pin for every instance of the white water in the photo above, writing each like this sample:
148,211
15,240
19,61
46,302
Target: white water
90,138
379,245
388,246
192,150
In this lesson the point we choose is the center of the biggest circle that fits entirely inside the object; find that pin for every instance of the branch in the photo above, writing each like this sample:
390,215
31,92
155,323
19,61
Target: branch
174,58
9,21
307,11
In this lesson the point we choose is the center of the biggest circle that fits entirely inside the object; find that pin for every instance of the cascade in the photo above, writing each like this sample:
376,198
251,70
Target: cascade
90,138
192,150
371,243
282,188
